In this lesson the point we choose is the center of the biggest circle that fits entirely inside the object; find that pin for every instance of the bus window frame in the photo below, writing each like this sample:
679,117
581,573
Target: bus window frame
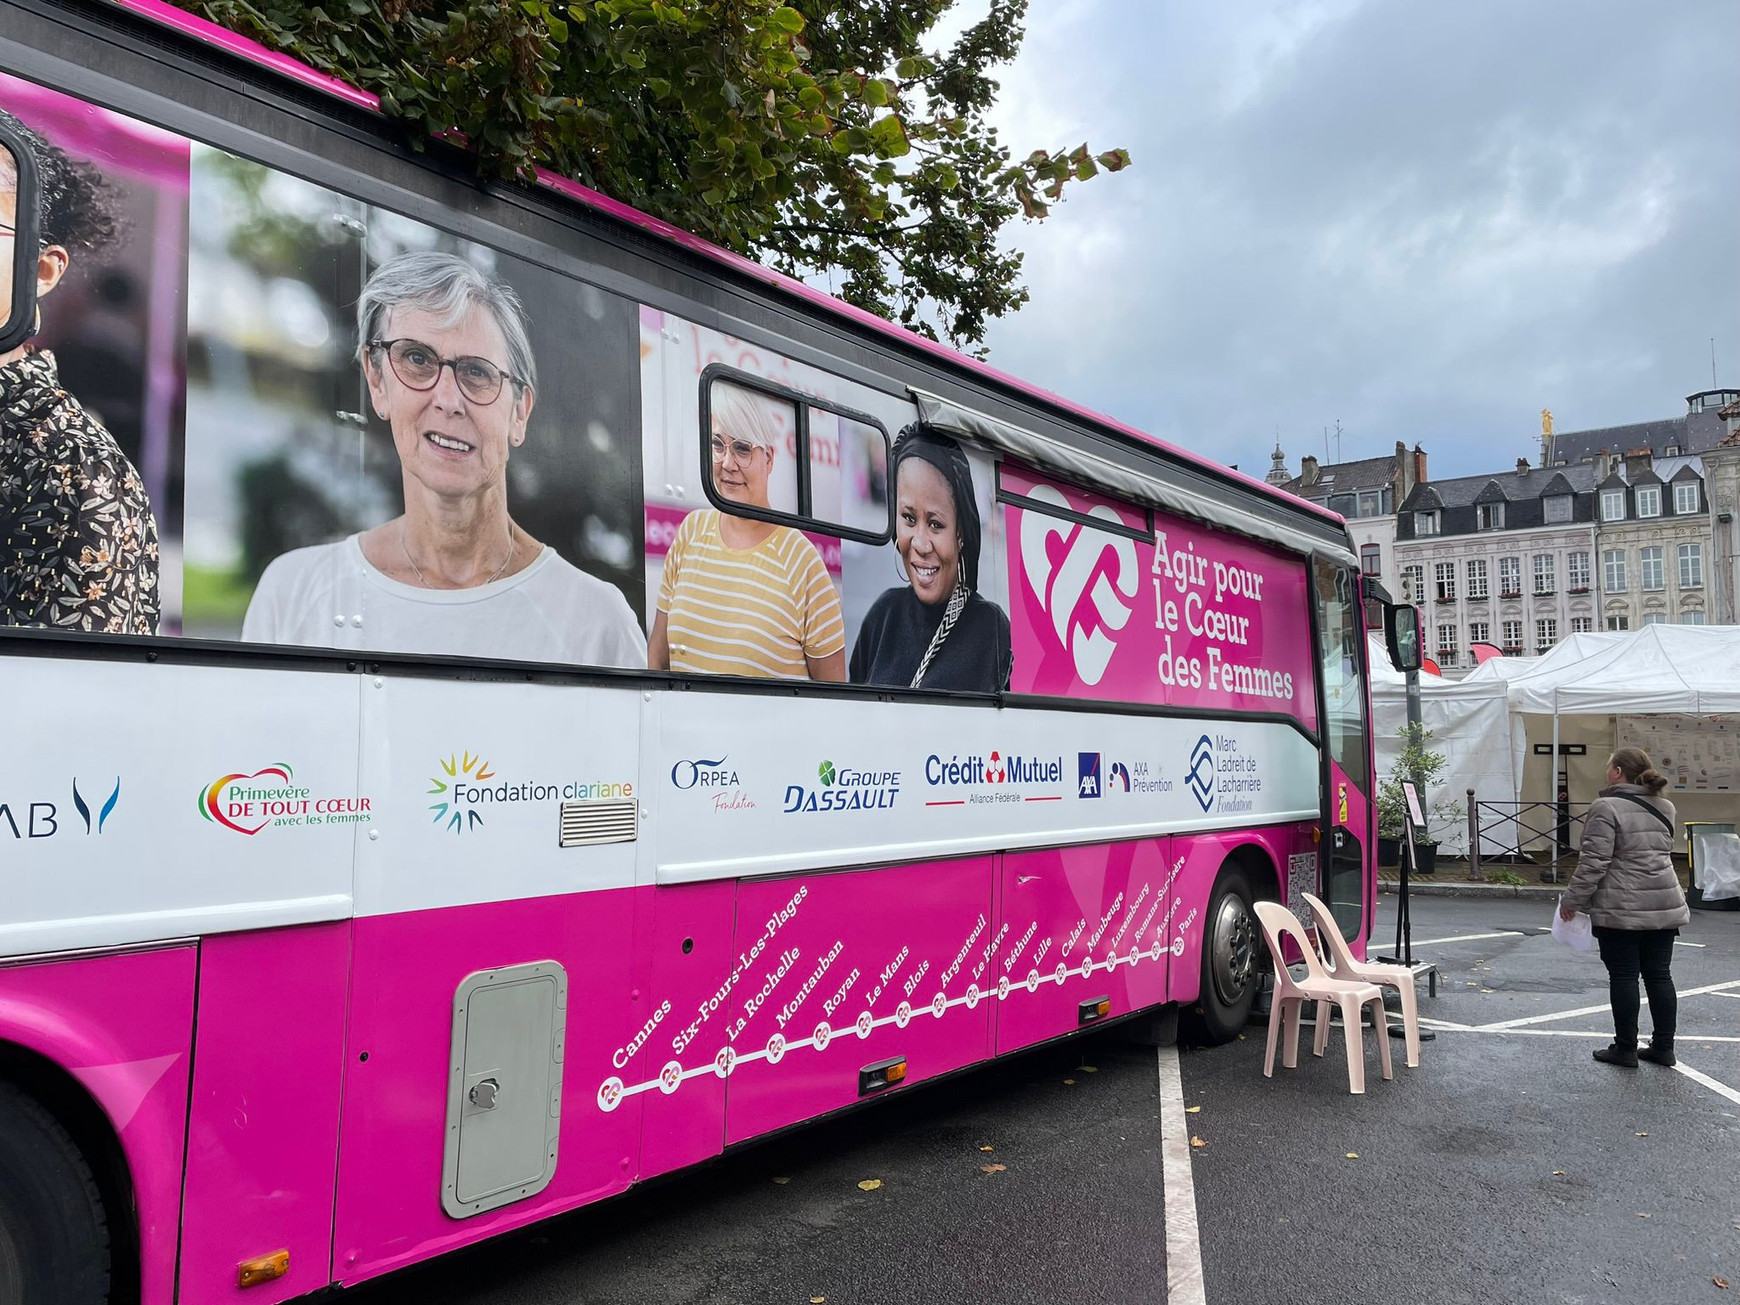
19,324
1143,534
804,518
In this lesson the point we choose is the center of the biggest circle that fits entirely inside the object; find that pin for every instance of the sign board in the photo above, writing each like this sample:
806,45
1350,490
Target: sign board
1414,813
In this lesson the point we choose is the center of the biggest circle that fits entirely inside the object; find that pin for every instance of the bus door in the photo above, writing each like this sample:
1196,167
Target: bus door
1346,754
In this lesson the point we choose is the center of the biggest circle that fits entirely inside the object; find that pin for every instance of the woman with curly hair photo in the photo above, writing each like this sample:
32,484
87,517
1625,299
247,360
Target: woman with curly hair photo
78,542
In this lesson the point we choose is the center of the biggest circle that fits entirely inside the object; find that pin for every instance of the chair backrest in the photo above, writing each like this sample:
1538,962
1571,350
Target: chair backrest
1336,954
1278,925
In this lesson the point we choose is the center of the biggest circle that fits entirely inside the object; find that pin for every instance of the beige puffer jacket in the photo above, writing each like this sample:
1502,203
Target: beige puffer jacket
1625,873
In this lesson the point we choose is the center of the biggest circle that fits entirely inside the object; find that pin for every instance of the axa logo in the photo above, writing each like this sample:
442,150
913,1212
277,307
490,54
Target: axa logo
44,819
703,772
1087,783
1085,579
1199,779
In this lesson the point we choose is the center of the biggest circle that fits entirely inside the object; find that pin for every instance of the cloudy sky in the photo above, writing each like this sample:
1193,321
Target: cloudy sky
1428,221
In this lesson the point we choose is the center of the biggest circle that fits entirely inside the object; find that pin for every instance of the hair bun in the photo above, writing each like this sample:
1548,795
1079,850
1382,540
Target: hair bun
1653,780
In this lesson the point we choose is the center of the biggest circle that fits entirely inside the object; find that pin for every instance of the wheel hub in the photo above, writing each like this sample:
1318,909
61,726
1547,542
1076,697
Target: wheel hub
1235,954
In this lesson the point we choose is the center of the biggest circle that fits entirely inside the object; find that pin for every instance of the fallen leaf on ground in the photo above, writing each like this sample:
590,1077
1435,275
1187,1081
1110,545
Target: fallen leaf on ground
1558,1173
1720,1282
987,1148
1069,1082
1643,1134
817,1300
1241,1037
869,1184
1642,1215
992,1168
1193,1110
1197,1142
1088,1069
782,1179
1353,1155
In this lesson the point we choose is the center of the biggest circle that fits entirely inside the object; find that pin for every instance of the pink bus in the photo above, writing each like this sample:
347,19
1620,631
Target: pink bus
505,700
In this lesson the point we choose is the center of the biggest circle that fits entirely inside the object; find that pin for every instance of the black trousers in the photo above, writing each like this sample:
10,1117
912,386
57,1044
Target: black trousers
1628,953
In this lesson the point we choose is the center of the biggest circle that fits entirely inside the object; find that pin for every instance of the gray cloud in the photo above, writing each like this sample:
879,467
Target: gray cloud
1428,221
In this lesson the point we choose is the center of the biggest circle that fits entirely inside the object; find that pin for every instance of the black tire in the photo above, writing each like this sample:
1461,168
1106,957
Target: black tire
54,1235
1231,959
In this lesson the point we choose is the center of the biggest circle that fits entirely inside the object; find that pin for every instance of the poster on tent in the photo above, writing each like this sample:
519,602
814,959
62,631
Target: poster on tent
1696,754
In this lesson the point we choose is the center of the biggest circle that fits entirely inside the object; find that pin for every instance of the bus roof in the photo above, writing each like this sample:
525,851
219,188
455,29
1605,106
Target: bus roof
252,51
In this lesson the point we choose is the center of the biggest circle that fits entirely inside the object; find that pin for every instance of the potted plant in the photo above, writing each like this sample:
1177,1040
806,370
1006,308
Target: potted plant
1424,767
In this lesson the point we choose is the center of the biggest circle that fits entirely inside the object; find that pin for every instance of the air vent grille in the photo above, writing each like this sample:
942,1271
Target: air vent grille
601,820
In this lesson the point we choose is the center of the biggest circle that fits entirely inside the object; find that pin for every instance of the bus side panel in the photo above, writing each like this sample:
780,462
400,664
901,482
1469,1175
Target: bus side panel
405,972
122,1025
262,1147
1288,847
842,971
1083,923
691,998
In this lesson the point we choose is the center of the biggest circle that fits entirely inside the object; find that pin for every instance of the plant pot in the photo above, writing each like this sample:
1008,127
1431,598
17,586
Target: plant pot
1425,858
1389,851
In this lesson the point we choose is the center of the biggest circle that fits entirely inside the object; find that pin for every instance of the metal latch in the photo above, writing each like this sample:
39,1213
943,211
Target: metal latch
485,1094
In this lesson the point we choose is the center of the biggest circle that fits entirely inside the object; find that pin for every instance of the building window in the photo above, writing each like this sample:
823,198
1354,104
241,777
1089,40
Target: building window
1374,502
1447,645
1613,572
1513,636
1685,498
1546,634
1413,584
1544,573
1425,523
1649,500
1691,618
1477,577
1655,618
1613,505
1649,570
1619,623
1691,566
1479,632
1510,577
1672,450
1444,574
1577,571
1558,509
1371,559
1582,624
1489,516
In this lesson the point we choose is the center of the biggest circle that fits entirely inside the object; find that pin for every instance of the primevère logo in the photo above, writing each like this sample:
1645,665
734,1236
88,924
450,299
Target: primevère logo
844,788
272,797
465,784
44,819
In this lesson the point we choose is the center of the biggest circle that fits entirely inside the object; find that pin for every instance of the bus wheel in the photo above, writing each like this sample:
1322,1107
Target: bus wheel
54,1237
1231,947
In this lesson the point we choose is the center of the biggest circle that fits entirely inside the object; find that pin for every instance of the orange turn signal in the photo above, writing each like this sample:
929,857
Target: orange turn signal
262,1268
895,1073
1316,837
883,1074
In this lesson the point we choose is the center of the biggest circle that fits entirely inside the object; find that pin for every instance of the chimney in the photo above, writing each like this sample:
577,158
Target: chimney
1636,461
1419,465
1307,471
1522,466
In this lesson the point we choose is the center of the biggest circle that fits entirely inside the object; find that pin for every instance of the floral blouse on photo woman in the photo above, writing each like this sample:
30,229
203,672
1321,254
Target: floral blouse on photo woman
78,545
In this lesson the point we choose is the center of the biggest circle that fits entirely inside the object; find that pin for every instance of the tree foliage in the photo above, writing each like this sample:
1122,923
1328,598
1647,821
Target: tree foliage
815,135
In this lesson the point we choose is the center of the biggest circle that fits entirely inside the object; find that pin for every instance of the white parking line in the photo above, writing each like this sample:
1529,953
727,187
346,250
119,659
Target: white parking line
1502,1025
1469,937
1708,1082
1183,1244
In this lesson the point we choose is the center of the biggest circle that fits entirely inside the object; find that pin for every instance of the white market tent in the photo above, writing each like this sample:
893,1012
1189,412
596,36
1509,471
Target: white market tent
1471,725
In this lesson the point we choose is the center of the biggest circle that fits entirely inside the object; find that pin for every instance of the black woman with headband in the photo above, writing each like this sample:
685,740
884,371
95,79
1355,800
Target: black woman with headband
937,631
78,542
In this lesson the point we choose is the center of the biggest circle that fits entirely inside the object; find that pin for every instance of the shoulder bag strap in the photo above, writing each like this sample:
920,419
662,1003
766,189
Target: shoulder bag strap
1649,807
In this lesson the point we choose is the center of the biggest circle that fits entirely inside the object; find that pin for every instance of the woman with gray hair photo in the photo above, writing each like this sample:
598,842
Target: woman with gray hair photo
449,367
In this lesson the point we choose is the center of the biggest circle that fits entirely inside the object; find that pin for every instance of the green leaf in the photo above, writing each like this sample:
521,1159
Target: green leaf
787,19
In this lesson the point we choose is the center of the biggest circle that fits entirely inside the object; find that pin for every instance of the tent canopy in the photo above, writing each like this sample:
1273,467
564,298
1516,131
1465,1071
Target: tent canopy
1690,669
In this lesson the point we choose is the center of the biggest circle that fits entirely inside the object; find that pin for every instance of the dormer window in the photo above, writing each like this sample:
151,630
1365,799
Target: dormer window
1685,498
1489,516
1649,500
1672,451
1558,509
1613,505
1425,523
1374,502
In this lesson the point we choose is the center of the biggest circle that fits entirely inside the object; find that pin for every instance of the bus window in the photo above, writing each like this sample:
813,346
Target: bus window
18,225
1344,732
751,447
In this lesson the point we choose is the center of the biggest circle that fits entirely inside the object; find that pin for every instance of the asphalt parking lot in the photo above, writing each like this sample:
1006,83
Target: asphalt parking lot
1508,1167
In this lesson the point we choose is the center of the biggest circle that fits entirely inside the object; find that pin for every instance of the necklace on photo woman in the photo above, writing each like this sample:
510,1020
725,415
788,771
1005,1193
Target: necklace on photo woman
418,571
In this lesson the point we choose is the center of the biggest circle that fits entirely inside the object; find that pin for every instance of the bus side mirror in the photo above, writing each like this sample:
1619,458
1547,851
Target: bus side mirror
1402,634
18,239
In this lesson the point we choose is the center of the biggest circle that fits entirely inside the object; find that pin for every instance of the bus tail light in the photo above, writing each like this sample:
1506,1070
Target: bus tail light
1096,1008
883,1074
262,1269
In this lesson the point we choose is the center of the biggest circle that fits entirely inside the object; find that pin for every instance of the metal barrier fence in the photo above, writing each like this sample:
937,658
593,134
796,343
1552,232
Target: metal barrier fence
1519,828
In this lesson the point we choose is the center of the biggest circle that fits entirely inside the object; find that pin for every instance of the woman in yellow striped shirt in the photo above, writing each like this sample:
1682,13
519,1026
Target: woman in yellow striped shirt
741,596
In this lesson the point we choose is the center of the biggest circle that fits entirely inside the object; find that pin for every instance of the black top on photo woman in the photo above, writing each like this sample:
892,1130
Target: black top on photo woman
78,543
936,631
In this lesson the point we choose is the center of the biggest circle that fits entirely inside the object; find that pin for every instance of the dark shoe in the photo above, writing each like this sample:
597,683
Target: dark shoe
1658,1055
1617,1055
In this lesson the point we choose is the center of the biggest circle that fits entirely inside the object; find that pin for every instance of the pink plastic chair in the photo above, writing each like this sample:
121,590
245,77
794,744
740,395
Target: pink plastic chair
1341,964
1279,924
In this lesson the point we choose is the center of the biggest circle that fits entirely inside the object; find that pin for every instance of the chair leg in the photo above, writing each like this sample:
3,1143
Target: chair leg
1380,1021
1320,1034
1350,1031
1411,1022
1290,1033
1275,1007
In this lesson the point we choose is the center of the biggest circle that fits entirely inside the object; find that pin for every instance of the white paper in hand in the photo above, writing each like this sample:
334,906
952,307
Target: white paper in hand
1577,933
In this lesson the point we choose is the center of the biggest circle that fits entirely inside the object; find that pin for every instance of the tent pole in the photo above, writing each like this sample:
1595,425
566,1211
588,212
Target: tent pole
1553,785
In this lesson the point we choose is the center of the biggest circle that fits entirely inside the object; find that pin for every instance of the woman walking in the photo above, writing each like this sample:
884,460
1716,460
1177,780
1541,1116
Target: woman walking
1625,880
